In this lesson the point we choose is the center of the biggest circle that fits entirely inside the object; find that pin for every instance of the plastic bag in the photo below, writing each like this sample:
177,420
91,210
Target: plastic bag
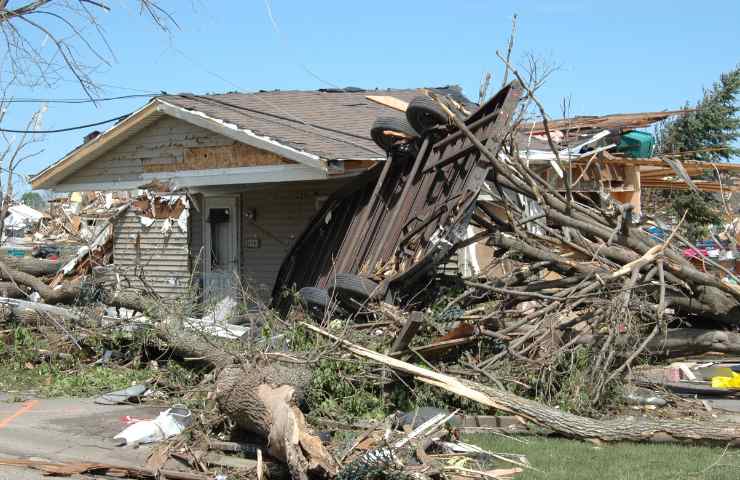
168,423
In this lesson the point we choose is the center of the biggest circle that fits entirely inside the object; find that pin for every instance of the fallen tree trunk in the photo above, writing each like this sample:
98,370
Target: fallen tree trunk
66,294
69,293
11,290
683,341
38,267
261,396
611,430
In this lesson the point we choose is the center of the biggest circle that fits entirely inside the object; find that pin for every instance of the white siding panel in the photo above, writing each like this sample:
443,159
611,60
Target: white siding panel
162,262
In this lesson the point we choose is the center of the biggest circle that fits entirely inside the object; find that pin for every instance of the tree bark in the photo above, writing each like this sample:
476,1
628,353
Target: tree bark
609,430
66,294
261,396
69,293
38,267
685,341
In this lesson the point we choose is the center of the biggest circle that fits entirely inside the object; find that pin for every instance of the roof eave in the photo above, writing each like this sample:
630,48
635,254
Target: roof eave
46,177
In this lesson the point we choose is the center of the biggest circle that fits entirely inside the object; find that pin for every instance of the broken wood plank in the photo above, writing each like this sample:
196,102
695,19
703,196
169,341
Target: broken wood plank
408,332
67,469
388,101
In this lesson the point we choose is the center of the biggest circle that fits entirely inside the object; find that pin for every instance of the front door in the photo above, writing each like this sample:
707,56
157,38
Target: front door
221,242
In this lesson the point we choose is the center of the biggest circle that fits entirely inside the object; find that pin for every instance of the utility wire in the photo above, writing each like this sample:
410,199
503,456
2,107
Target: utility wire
79,100
277,116
286,45
270,104
68,129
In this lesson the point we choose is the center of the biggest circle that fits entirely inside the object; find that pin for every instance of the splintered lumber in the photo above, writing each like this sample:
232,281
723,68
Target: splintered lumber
67,469
388,101
610,430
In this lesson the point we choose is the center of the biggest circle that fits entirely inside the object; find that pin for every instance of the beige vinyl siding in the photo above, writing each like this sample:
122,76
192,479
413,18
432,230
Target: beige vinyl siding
282,212
163,142
162,260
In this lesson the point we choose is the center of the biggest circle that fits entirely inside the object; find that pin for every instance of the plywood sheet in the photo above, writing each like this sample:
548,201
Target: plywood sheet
225,156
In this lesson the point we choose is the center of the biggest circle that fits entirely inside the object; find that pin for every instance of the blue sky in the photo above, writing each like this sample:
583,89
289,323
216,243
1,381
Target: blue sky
611,57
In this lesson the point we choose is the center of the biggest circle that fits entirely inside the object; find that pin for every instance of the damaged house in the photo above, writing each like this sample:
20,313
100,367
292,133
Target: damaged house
255,168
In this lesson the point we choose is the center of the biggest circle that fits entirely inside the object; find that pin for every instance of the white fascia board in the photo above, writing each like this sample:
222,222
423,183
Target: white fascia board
238,176
97,186
242,135
207,178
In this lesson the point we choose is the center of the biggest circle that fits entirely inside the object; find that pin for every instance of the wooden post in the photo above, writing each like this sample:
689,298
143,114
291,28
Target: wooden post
408,332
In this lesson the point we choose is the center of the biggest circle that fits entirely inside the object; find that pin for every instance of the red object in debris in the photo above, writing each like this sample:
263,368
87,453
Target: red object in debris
129,420
673,374
52,257
695,252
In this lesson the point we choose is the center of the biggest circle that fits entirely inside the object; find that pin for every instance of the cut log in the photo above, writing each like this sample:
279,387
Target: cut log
609,430
261,396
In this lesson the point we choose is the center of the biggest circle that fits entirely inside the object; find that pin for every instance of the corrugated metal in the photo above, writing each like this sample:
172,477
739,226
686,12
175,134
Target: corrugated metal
163,142
146,258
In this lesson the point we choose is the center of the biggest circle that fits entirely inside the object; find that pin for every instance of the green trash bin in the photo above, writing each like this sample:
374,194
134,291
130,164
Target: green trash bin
636,144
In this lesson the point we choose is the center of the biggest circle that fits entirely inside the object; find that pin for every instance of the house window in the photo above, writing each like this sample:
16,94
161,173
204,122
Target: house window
218,219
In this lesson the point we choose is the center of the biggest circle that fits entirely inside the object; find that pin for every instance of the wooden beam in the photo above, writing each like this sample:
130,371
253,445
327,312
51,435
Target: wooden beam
388,101
408,332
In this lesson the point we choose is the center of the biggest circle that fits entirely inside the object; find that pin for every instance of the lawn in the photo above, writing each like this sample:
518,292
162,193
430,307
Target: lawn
569,459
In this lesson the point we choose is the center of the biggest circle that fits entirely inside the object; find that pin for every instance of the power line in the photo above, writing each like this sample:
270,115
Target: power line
295,120
304,67
270,104
68,129
80,100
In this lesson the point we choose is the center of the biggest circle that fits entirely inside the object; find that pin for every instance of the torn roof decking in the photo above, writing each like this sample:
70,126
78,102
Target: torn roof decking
623,121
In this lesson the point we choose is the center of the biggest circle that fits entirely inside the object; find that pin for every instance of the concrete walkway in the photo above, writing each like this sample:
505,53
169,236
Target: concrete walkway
66,429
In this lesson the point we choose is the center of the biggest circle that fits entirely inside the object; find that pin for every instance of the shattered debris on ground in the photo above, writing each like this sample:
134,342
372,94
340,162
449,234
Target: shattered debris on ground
591,320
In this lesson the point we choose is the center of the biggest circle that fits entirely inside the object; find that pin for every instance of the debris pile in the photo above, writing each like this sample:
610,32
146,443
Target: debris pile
581,291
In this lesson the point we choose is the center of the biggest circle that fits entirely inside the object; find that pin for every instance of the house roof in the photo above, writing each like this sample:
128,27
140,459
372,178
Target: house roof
332,125
310,127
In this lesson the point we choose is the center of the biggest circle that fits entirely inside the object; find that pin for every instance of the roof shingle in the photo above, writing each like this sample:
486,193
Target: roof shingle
334,125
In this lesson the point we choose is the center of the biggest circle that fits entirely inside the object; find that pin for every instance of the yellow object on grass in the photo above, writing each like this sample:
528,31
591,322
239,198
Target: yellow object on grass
732,382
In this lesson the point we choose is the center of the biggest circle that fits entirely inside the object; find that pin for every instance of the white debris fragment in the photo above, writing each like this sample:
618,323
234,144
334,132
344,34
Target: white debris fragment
169,423
166,226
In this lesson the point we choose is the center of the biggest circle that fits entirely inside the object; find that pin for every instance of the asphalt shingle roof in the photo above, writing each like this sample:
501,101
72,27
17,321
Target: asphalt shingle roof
334,125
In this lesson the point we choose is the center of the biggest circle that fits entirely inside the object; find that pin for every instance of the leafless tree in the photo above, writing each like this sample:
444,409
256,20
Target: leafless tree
15,151
44,39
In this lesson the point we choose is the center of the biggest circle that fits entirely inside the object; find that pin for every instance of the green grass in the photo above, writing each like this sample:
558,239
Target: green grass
20,372
569,459
53,381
